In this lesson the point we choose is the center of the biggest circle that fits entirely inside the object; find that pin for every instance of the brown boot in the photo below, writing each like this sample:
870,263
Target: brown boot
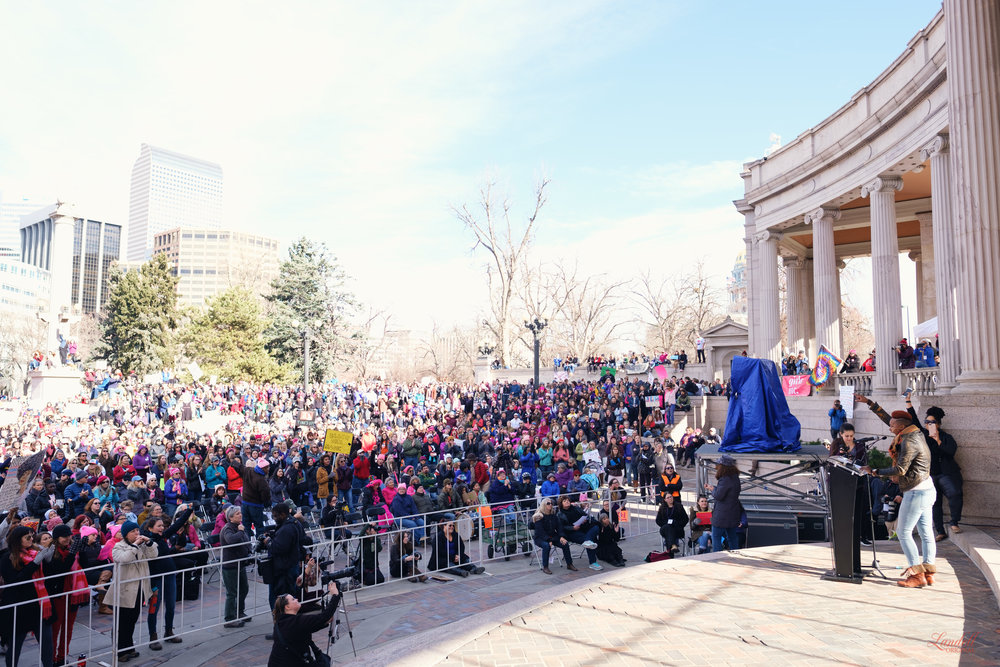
572,568
929,571
105,610
915,580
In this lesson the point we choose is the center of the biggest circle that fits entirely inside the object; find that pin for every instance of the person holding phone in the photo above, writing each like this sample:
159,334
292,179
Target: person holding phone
945,471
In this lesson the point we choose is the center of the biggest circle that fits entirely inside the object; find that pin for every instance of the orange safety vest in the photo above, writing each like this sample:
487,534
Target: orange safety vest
672,480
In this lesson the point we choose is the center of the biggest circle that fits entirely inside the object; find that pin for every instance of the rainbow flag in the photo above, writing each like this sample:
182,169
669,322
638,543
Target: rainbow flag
826,365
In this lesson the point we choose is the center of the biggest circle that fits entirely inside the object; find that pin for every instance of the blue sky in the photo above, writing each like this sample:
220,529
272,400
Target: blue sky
360,124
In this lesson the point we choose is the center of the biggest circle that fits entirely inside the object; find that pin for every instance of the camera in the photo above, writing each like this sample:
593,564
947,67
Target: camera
890,507
345,573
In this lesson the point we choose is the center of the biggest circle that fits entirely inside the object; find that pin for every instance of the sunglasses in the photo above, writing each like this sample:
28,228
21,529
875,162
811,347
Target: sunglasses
930,421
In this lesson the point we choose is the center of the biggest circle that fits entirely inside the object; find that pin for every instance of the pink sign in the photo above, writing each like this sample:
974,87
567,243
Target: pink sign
661,371
795,385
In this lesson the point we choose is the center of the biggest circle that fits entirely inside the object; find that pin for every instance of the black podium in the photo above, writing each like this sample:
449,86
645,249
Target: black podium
843,484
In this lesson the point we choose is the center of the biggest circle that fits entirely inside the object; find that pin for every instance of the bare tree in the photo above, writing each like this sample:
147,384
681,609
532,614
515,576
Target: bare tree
20,335
859,334
678,309
506,244
662,309
368,344
586,310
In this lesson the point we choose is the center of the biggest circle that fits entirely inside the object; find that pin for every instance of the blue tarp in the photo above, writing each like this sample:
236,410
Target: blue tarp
759,419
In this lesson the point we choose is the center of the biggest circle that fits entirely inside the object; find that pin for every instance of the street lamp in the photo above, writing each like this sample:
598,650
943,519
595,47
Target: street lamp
306,331
535,327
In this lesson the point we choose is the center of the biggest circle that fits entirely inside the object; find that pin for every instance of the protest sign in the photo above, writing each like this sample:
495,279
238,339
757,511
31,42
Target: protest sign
338,442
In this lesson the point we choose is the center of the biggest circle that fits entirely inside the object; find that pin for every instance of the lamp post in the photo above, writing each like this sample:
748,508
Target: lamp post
306,331
535,327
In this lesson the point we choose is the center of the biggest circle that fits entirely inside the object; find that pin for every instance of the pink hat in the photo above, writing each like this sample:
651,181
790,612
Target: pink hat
87,531
262,462
411,490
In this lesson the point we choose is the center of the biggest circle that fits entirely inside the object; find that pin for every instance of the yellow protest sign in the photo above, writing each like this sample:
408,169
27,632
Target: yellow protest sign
338,442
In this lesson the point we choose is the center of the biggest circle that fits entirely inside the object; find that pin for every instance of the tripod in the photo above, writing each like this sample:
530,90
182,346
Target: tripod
333,630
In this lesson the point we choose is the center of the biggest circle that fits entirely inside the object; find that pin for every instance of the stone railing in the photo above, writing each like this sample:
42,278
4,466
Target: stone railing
923,381
862,382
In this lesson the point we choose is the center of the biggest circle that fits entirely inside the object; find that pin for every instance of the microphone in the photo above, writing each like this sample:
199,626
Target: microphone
874,438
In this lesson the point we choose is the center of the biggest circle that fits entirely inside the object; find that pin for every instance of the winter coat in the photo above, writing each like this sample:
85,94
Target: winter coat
133,571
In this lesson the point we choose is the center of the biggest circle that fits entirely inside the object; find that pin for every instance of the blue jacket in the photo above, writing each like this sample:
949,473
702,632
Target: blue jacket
175,492
214,475
500,493
403,505
549,488
837,417
72,496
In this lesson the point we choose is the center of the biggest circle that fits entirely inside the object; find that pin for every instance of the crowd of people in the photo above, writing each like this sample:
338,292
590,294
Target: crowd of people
925,355
134,488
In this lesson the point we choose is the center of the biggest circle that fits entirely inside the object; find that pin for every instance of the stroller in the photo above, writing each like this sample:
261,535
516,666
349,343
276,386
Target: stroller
507,533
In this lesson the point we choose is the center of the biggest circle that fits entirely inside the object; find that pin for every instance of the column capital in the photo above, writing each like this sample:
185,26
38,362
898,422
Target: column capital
767,235
841,264
792,261
937,146
882,184
823,213
915,255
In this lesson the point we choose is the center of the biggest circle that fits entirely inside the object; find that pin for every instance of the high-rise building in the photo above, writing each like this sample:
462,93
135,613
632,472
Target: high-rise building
170,190
210,261
86,249
11,211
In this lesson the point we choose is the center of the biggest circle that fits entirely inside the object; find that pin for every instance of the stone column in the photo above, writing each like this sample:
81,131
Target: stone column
973,55
885,278
748,275
928,291
916,257
826,279
795,304
944,252
61,261
808,312
769,331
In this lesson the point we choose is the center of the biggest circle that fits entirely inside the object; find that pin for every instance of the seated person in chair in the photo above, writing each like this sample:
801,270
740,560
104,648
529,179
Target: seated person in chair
671,518
579,528
607,542
549,533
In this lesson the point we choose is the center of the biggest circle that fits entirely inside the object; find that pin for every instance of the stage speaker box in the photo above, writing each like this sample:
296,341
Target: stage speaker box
765,529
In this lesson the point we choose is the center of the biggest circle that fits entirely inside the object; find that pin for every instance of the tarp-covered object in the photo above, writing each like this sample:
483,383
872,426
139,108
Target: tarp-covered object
759,419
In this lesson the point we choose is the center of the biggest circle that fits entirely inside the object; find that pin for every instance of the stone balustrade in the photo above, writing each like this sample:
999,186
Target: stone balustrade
923,381
862,382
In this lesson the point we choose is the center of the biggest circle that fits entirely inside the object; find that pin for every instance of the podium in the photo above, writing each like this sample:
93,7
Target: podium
843,484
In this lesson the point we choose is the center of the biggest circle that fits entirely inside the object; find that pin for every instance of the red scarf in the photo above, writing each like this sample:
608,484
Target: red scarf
37,576
76,581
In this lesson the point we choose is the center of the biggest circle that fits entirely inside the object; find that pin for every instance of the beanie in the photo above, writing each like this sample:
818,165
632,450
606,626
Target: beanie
128,527
62,530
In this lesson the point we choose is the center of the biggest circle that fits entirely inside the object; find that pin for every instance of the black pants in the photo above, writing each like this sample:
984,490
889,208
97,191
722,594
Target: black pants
701,356
862,519
127,618
372,577
950,486
670,534
646,477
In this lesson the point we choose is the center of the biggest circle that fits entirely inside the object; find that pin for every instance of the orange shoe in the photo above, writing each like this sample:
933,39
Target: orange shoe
929,572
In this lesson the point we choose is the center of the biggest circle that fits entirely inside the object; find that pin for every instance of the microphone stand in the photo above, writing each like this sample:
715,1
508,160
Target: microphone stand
871,519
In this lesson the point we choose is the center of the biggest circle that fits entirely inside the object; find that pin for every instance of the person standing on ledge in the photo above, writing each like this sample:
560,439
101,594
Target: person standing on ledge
912,468
945,473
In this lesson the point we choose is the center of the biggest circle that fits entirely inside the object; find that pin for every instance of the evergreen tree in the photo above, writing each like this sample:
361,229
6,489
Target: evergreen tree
227,339
139,318
310,291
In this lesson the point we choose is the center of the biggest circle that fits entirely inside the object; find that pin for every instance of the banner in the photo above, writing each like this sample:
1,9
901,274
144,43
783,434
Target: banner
661,371
195,370
653,401
20,475
306,417
795,385
338,442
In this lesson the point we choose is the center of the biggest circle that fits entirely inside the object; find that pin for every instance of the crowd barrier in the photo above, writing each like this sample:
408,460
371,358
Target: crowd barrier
489,532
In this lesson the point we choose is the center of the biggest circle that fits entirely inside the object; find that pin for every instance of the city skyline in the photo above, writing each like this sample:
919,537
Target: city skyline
642,116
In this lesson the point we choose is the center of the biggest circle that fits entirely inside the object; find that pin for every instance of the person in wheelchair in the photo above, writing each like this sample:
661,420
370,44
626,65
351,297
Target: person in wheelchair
672,519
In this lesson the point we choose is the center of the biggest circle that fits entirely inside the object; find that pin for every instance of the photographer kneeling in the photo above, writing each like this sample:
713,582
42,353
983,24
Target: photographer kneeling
293,644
